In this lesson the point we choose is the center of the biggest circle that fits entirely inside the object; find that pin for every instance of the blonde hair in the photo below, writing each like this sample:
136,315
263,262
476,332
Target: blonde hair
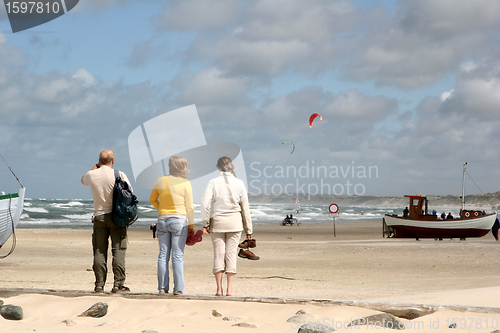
106,156
226,165
177,166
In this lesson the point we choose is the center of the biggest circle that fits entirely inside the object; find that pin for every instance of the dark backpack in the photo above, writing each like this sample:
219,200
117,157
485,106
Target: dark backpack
124,203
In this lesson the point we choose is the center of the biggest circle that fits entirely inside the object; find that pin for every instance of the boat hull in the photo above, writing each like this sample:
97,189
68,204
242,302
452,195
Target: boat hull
10,212
456,228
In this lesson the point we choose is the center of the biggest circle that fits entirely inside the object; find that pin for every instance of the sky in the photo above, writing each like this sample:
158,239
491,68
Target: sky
408,91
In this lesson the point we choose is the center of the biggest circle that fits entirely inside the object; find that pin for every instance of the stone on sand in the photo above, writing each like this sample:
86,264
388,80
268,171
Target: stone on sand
97,310
11,312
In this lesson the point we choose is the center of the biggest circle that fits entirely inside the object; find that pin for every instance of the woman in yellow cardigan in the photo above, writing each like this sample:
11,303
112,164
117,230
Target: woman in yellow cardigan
172,195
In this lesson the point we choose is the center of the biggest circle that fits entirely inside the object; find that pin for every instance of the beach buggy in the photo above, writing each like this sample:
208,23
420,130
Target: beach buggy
290,220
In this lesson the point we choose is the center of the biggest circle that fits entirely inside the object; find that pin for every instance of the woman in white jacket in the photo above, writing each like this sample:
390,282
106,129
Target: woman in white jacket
225,214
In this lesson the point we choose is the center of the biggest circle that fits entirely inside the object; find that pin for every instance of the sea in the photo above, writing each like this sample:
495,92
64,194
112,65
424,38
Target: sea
77,213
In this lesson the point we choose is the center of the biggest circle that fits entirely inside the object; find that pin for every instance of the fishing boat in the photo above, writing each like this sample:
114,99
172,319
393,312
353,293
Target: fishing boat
11,208
416,221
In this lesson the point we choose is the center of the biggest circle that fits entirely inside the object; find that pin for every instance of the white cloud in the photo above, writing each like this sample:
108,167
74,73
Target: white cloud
355,106
413,46
85,77
478,98
446,95
468,66
193,14
210,87
240,48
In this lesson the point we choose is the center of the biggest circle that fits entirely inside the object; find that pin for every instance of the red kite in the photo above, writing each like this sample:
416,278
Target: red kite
313,116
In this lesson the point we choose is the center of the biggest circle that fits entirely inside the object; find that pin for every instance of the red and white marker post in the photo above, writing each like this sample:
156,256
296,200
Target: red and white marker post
334,212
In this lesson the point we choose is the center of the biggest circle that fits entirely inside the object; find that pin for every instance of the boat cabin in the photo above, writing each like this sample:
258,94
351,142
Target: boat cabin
468,214
418,208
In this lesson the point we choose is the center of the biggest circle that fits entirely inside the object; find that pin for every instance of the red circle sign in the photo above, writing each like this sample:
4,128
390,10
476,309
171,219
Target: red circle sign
333,208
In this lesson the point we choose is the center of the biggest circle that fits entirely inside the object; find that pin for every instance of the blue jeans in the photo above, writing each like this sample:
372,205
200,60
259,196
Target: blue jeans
172,234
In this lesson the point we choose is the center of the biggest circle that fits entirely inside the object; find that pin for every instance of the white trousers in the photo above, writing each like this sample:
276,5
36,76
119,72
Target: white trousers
225,251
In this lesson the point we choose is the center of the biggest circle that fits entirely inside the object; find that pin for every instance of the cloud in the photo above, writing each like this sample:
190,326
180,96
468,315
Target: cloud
337,54
423,41
446,19
262,38
477,93
100,5
85,77
446,95
412,46
60,122
210,87
191,14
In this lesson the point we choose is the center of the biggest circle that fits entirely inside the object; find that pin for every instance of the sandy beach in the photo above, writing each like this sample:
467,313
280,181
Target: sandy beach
334,280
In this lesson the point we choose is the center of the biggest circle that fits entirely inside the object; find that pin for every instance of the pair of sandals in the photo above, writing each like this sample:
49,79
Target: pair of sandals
197,237
119,289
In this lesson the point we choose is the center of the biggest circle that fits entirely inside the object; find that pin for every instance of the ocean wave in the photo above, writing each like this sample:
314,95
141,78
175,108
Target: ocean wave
87,216
44,221
36,210
70,204
76,213
146,209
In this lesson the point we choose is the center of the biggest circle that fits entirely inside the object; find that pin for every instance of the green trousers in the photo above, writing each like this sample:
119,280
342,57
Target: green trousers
105,228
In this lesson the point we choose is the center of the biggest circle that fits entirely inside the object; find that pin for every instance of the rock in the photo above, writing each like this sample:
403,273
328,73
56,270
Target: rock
301,317
97,310
381,320
454,325
245,325
1,302
149,331
216,313
315,327
69,322
232,318
11,312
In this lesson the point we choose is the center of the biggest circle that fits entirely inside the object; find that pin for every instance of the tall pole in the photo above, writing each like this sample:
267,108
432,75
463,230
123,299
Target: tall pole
463,187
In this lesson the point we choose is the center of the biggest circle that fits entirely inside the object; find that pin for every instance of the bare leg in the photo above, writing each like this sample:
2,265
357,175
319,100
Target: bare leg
218,280
230,278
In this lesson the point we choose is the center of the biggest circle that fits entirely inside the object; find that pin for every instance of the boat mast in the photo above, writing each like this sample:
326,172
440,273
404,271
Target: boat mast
463,187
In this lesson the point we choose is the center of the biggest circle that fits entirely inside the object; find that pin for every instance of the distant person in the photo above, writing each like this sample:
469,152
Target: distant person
434,212
101,179
406,212
291,216
495,228
225,214
449,216
443,216
172,196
